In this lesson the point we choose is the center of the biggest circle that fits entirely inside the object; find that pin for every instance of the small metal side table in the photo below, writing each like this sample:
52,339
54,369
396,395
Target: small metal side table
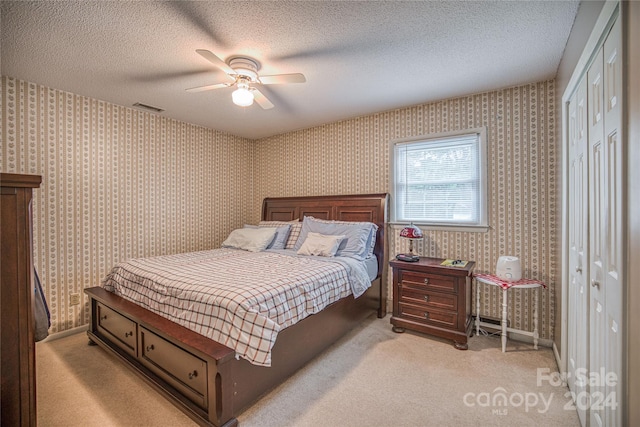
490,279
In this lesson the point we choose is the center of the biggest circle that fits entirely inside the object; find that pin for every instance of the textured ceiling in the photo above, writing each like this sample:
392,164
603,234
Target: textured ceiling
358,57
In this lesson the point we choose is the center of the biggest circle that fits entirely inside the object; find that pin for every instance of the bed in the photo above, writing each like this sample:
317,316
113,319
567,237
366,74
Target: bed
208,380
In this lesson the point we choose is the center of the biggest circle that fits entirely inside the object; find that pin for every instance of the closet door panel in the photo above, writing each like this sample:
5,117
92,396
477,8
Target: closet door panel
597,317
613,279
597,227
578,290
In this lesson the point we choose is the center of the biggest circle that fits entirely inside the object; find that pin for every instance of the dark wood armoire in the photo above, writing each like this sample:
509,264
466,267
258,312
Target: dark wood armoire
17,350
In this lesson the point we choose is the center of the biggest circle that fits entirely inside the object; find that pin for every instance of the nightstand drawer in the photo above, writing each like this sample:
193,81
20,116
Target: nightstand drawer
429,280
422,296
445,319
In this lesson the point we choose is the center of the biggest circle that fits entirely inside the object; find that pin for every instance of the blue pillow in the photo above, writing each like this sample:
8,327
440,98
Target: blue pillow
358,235
280,239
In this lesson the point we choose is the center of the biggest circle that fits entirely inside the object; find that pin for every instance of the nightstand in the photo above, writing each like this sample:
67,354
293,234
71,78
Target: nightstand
433,299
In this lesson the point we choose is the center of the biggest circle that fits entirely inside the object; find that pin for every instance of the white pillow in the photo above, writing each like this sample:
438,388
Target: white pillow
250,239
320,244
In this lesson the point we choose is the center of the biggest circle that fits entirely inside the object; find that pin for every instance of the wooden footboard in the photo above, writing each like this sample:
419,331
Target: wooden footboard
202,377
194,372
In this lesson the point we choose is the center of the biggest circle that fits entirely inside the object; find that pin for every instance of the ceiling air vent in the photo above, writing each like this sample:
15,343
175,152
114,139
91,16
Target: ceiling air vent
148,107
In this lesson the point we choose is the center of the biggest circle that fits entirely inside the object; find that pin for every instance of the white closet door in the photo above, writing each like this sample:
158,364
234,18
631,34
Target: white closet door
605,229
578,291
596,224
614,195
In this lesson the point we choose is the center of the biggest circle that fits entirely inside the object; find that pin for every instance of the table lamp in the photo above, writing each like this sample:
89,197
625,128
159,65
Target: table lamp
412,233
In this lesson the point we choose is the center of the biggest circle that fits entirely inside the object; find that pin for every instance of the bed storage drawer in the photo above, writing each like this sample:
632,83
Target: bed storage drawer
181,369
119,327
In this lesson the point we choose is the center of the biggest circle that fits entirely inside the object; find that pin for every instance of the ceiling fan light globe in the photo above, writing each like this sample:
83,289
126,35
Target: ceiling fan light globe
242,97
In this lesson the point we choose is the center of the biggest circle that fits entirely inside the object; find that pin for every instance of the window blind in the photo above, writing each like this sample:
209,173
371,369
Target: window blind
438,180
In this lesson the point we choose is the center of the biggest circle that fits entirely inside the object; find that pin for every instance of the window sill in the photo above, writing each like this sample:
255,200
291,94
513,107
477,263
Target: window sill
442,227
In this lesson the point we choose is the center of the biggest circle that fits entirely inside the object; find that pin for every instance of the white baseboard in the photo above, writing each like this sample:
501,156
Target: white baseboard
542,342
66,333
556,354
515,335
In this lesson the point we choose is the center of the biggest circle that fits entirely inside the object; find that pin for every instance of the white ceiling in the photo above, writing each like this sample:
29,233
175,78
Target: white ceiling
358,57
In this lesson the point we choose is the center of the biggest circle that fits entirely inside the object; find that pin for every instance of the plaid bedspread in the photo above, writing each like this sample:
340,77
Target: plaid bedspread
237,298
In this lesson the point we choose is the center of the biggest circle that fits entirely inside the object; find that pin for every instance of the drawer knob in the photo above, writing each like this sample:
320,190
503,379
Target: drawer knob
426,280
426,298
426,315
128,334
104,317
193,374
595,283
150,347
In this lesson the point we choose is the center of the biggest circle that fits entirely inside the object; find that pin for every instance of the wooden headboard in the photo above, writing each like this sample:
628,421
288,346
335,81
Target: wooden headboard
359,207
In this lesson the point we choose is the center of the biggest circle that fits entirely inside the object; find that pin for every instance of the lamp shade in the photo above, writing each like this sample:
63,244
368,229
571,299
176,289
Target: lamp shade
411,232
242,97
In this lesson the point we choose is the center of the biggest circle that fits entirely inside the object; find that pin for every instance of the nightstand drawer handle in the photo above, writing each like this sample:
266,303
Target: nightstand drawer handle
128,334
426,280
193,374
426,298
150,347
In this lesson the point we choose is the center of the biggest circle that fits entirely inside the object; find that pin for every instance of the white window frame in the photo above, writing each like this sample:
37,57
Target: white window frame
482,224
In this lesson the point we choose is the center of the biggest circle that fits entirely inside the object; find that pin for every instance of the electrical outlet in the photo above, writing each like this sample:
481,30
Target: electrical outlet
74,299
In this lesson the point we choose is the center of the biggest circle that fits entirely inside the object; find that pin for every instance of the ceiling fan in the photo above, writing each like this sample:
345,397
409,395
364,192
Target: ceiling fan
242,72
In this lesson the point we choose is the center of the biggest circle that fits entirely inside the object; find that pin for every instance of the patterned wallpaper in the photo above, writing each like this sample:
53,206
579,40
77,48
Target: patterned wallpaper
352,156
116,183
121,183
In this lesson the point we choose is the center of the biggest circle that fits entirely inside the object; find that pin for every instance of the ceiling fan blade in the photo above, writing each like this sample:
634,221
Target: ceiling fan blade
261,99
209,56
208,87
282,78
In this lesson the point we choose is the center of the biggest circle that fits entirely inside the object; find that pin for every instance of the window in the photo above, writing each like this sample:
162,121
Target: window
440,180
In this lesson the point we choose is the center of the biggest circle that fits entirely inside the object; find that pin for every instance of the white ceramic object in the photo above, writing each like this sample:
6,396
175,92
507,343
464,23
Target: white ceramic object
509,268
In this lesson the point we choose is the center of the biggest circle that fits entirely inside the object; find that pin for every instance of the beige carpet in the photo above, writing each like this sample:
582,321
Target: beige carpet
373,377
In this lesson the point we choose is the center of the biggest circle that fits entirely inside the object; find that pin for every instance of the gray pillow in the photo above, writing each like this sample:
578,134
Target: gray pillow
357,242
280,239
